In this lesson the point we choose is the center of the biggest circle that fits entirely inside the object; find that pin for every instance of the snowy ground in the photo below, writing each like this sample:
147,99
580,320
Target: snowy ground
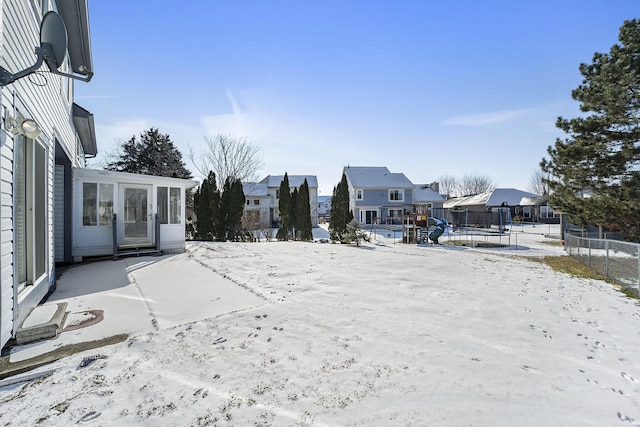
384,334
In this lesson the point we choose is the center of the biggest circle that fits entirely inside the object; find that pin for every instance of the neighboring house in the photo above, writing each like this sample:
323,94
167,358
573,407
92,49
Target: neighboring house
36,163
428,201
116,212
324,208
375,192
499,198
536,209
257,205
295,181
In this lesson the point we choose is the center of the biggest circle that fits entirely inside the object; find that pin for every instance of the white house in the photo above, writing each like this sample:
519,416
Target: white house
43,135
272,183
117,211
257,205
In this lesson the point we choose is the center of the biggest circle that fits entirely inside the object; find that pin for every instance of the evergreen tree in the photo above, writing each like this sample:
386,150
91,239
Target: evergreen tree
293,213
233,201
283,206
340,215
206,206
153,154
303,215
599,157
354,233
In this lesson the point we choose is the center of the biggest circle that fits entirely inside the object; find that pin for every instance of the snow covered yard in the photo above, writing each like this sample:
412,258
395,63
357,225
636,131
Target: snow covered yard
384,334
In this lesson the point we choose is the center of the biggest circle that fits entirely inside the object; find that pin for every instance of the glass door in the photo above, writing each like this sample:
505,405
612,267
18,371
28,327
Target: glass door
135,215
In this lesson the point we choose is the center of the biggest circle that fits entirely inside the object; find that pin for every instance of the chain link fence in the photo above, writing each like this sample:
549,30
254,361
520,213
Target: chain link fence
616,260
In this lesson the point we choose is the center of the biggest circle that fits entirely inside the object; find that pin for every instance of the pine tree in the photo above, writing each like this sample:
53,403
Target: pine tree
599,157
303,215
153,154
206,206
354,233
293,213
283,206
340,214
233,201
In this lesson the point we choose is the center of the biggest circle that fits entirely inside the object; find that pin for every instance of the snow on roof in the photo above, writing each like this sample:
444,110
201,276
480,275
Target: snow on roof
532,201
497,197
254,189
376,177
424,193
294,180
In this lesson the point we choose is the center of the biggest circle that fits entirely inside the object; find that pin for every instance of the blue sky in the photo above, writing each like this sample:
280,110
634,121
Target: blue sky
427,88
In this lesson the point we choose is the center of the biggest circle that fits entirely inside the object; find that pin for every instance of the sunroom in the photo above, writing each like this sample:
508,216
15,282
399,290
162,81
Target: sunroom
118,213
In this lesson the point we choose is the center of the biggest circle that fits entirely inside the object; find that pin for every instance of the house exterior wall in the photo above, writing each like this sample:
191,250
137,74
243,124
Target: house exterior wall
376,199
262,209
49,103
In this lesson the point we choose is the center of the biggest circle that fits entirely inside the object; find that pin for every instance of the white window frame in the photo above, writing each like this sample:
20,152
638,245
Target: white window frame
31,208
103,212
396,195
359,194
173,208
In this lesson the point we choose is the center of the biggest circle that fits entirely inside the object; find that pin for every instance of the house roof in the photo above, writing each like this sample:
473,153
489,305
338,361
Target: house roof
255,189
497,197
128,177
375,177
424,193
294,180
322,199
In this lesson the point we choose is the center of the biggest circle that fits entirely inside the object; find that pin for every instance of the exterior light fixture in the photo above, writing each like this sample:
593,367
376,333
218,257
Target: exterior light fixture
26,127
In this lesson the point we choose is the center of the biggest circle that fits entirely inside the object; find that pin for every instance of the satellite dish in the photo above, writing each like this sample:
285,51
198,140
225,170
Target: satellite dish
52,50
53,32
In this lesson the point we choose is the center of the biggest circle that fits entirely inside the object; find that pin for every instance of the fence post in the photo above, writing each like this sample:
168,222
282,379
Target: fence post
606,246
589,240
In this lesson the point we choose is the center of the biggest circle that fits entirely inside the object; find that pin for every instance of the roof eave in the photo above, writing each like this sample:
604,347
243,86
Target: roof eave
75,14
85,128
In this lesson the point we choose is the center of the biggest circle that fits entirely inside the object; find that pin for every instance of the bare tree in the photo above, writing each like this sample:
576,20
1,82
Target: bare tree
228,157
449,185
539,182
476,184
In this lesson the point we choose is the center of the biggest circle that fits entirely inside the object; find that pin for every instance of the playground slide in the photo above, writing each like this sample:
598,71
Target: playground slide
441,226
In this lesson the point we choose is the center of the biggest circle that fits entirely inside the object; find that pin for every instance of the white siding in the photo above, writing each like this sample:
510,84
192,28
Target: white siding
6,240
49,102
58,214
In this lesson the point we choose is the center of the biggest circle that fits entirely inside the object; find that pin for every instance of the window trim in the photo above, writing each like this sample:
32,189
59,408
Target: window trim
173,208
399,192
101,220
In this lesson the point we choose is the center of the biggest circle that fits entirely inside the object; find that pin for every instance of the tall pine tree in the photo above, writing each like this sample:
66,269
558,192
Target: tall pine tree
340,214
303,215
207,207
293,213
284,201
594,171
232,207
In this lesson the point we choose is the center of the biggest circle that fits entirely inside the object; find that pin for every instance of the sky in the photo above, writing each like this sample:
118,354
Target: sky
425,88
